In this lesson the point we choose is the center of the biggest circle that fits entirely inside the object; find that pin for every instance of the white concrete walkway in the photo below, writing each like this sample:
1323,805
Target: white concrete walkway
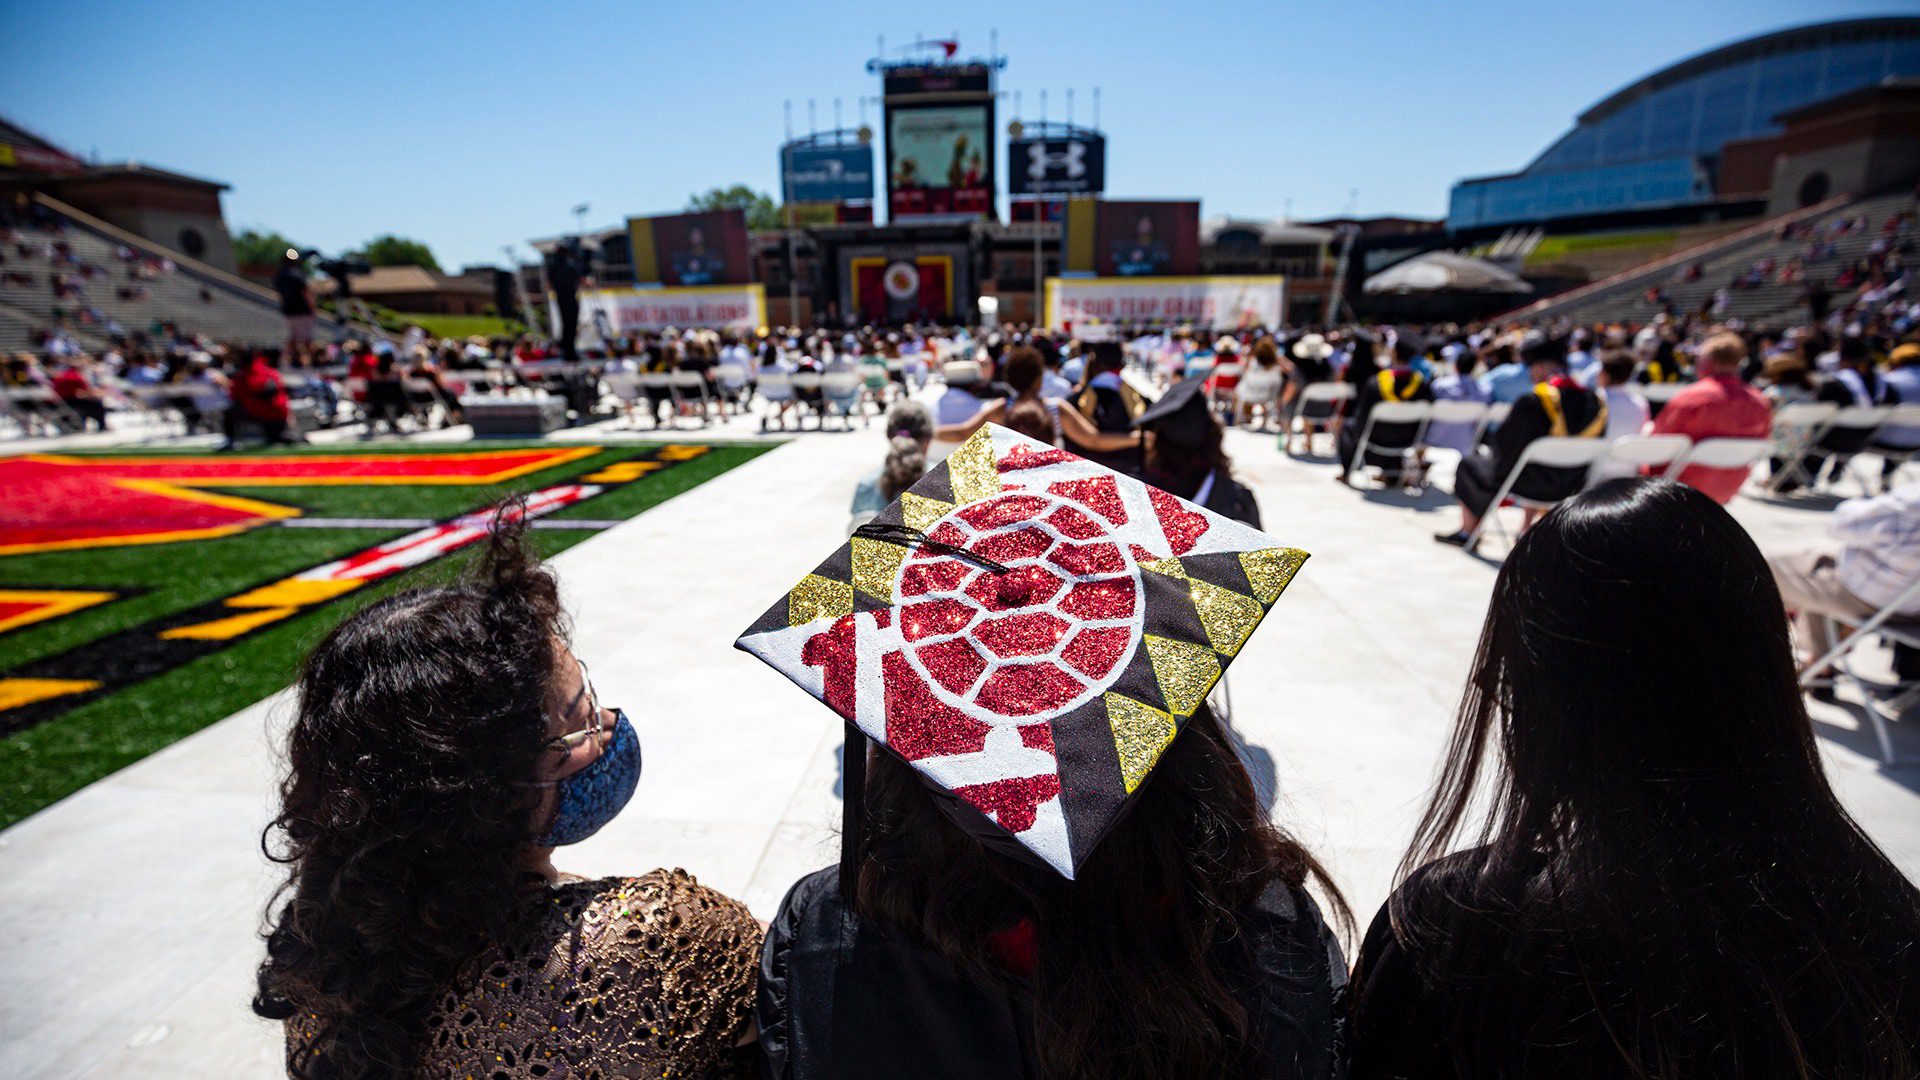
129,912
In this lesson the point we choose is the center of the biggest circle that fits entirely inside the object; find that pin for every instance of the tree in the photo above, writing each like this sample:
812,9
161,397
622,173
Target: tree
255,248
762,212
391,250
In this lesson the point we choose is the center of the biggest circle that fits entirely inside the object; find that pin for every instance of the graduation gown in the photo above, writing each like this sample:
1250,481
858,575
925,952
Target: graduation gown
1408,385
1112,411
1480,476
841,998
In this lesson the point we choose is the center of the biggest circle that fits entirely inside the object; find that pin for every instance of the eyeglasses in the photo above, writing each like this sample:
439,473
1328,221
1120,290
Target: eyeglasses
596,722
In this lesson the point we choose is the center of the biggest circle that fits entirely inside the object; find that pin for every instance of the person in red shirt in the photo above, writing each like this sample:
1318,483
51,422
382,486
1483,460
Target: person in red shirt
259,397
73,386
1718,406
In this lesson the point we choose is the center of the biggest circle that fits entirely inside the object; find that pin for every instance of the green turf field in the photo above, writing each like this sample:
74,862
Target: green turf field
46,760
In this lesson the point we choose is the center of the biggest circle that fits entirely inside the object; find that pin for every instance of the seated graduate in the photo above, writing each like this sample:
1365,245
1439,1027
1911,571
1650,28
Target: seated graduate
1556,406
1659,881
1054,866
1398,382
1106,398
1182,442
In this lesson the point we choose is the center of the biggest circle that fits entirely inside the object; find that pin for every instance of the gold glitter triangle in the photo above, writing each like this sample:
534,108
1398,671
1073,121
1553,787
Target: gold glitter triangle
1270,569
1185,672
972,470
818,598
876,566
1227,616
1141,733
1168,566
920,512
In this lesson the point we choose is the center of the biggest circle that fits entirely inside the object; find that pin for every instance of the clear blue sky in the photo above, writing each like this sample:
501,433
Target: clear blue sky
476,124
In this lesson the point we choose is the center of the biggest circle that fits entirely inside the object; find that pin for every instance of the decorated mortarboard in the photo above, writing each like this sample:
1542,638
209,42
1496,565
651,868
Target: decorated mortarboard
1029,631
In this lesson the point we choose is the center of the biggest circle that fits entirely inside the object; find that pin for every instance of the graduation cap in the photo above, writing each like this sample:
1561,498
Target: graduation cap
1181,415
1029,631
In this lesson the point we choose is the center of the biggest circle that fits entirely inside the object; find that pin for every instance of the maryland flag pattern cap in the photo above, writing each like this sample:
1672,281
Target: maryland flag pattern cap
1028,630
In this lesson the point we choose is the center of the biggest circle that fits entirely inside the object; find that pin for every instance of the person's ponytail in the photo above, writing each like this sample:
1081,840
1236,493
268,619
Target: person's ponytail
906,462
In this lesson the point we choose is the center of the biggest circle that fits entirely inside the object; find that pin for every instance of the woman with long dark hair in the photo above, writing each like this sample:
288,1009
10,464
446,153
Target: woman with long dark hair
1053,864
446,742
1186,946
1664,884
1185,453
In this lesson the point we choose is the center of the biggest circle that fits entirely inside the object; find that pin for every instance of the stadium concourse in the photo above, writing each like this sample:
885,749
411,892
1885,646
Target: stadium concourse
129,911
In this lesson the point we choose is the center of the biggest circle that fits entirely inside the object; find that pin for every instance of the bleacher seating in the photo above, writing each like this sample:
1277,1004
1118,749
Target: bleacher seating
176,289
1622,298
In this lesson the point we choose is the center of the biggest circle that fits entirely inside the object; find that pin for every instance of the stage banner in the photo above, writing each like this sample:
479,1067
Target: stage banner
616,312
1097,305
827,174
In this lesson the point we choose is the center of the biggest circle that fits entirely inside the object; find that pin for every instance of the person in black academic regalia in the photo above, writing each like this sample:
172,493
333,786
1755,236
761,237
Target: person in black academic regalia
1184,456
1398,383
1105,398
1556,406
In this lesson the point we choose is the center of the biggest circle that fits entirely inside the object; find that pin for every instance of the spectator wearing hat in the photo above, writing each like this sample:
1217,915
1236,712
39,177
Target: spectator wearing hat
1717,406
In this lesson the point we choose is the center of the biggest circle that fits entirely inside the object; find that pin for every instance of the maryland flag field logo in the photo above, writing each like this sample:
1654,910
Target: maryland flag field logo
56,502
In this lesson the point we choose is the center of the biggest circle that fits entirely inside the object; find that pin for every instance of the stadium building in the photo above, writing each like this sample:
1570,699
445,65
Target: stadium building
1679,145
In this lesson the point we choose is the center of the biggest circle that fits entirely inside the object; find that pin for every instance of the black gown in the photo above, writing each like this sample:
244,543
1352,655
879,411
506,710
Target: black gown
1408,385
1481,475
1112,412
841,998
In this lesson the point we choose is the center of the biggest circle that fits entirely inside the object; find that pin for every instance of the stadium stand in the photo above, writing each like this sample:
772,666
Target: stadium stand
88,277
1623,297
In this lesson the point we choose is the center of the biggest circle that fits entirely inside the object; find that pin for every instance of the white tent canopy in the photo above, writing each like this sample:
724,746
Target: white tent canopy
1445,271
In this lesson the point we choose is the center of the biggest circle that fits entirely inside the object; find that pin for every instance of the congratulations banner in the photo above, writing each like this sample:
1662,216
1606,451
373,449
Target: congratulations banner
615,312
1222,303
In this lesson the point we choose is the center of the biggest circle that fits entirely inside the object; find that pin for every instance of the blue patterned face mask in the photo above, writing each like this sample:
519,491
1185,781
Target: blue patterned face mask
592,797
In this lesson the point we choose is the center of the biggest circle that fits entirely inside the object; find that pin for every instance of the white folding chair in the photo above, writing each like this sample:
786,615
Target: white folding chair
625,388
1454,413
1552,452
1658,394
1904,629
1628,454
1416,413
776,391
1859,423
690,387
1318,404
657,386
807,383
1809,417
840,395
1903,422
1497,413
1723,453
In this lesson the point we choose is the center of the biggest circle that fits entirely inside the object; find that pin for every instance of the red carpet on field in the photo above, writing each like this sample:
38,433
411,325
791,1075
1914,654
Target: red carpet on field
51,502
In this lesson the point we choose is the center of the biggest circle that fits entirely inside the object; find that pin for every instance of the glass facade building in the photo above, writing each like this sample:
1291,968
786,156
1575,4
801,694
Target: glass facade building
1656,144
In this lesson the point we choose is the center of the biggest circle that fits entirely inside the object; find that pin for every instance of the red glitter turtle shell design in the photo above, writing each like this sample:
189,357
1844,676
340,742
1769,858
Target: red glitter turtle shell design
1034,642
969,673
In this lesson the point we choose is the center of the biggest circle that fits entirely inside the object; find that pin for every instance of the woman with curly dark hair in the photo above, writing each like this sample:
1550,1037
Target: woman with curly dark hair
446,741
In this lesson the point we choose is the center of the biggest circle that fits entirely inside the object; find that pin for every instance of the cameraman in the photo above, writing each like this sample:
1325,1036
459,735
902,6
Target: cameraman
297,305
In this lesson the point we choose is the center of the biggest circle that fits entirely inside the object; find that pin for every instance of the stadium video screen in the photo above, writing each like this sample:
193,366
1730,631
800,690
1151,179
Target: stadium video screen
1147,238
940,160
706,248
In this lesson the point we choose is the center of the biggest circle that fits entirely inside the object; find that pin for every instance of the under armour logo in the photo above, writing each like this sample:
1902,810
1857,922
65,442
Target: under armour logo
1071,159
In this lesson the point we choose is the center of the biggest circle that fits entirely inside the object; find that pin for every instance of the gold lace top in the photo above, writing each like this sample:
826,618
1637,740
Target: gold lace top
622,977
